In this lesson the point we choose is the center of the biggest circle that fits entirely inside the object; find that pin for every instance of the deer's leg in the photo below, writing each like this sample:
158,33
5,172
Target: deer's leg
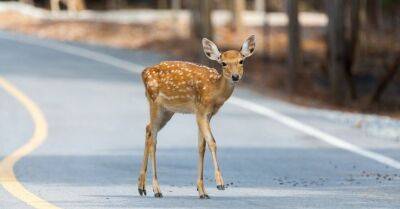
204,125
152,152
143,169
159,117
200,168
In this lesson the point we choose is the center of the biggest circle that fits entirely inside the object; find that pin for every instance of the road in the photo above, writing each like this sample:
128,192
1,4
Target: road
90,105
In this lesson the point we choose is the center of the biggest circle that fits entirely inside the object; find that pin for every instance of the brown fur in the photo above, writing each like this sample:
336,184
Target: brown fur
185,87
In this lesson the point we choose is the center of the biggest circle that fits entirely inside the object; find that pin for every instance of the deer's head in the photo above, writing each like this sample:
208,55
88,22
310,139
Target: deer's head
232,60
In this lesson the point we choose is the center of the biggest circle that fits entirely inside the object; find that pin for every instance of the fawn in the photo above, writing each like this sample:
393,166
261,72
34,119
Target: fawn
184,87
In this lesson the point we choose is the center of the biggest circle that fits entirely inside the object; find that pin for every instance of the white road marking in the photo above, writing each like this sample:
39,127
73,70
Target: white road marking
254,107
81,52
297,125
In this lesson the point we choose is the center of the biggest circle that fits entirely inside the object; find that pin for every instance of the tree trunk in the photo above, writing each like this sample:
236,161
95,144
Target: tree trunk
176,4
352,46
294,48
162,4
238,8
201,24
337,50
390,74
372,11
259,5
54,5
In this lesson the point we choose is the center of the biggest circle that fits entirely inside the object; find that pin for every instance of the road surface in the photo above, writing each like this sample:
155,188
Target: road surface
84,108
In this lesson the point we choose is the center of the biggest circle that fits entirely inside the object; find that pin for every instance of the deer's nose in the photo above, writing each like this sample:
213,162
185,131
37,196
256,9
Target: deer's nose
235,77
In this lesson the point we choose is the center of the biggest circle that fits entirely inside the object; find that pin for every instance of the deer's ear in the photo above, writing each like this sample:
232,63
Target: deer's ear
211,50
248,46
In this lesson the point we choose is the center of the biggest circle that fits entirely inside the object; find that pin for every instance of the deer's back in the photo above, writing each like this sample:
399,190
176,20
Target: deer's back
179,84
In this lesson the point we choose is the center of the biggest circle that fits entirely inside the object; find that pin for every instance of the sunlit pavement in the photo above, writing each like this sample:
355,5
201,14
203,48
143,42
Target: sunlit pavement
96,114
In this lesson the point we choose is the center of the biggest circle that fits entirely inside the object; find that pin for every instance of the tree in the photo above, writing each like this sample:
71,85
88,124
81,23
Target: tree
372,12
201,23
176,4
336,43
294,48
162,4
259,5
351,46
392,69
237,9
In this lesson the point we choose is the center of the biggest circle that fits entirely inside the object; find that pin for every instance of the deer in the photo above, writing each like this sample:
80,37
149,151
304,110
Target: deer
184,87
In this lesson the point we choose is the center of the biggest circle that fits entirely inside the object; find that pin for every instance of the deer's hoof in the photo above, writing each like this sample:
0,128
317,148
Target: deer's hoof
220,187
204,196
158,195
142,192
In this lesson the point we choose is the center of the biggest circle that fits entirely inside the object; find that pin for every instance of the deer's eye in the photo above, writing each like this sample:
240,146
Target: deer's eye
223,64
241,62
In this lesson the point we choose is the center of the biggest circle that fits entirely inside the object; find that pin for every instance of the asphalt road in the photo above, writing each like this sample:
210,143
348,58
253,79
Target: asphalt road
96,114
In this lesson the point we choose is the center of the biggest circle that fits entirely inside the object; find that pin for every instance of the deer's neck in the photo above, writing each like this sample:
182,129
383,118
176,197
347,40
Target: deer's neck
225,88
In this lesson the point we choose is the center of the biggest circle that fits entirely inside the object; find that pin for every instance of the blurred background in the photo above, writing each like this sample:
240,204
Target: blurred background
333,54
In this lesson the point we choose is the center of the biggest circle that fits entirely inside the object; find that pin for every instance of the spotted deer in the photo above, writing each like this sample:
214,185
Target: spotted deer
184,87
